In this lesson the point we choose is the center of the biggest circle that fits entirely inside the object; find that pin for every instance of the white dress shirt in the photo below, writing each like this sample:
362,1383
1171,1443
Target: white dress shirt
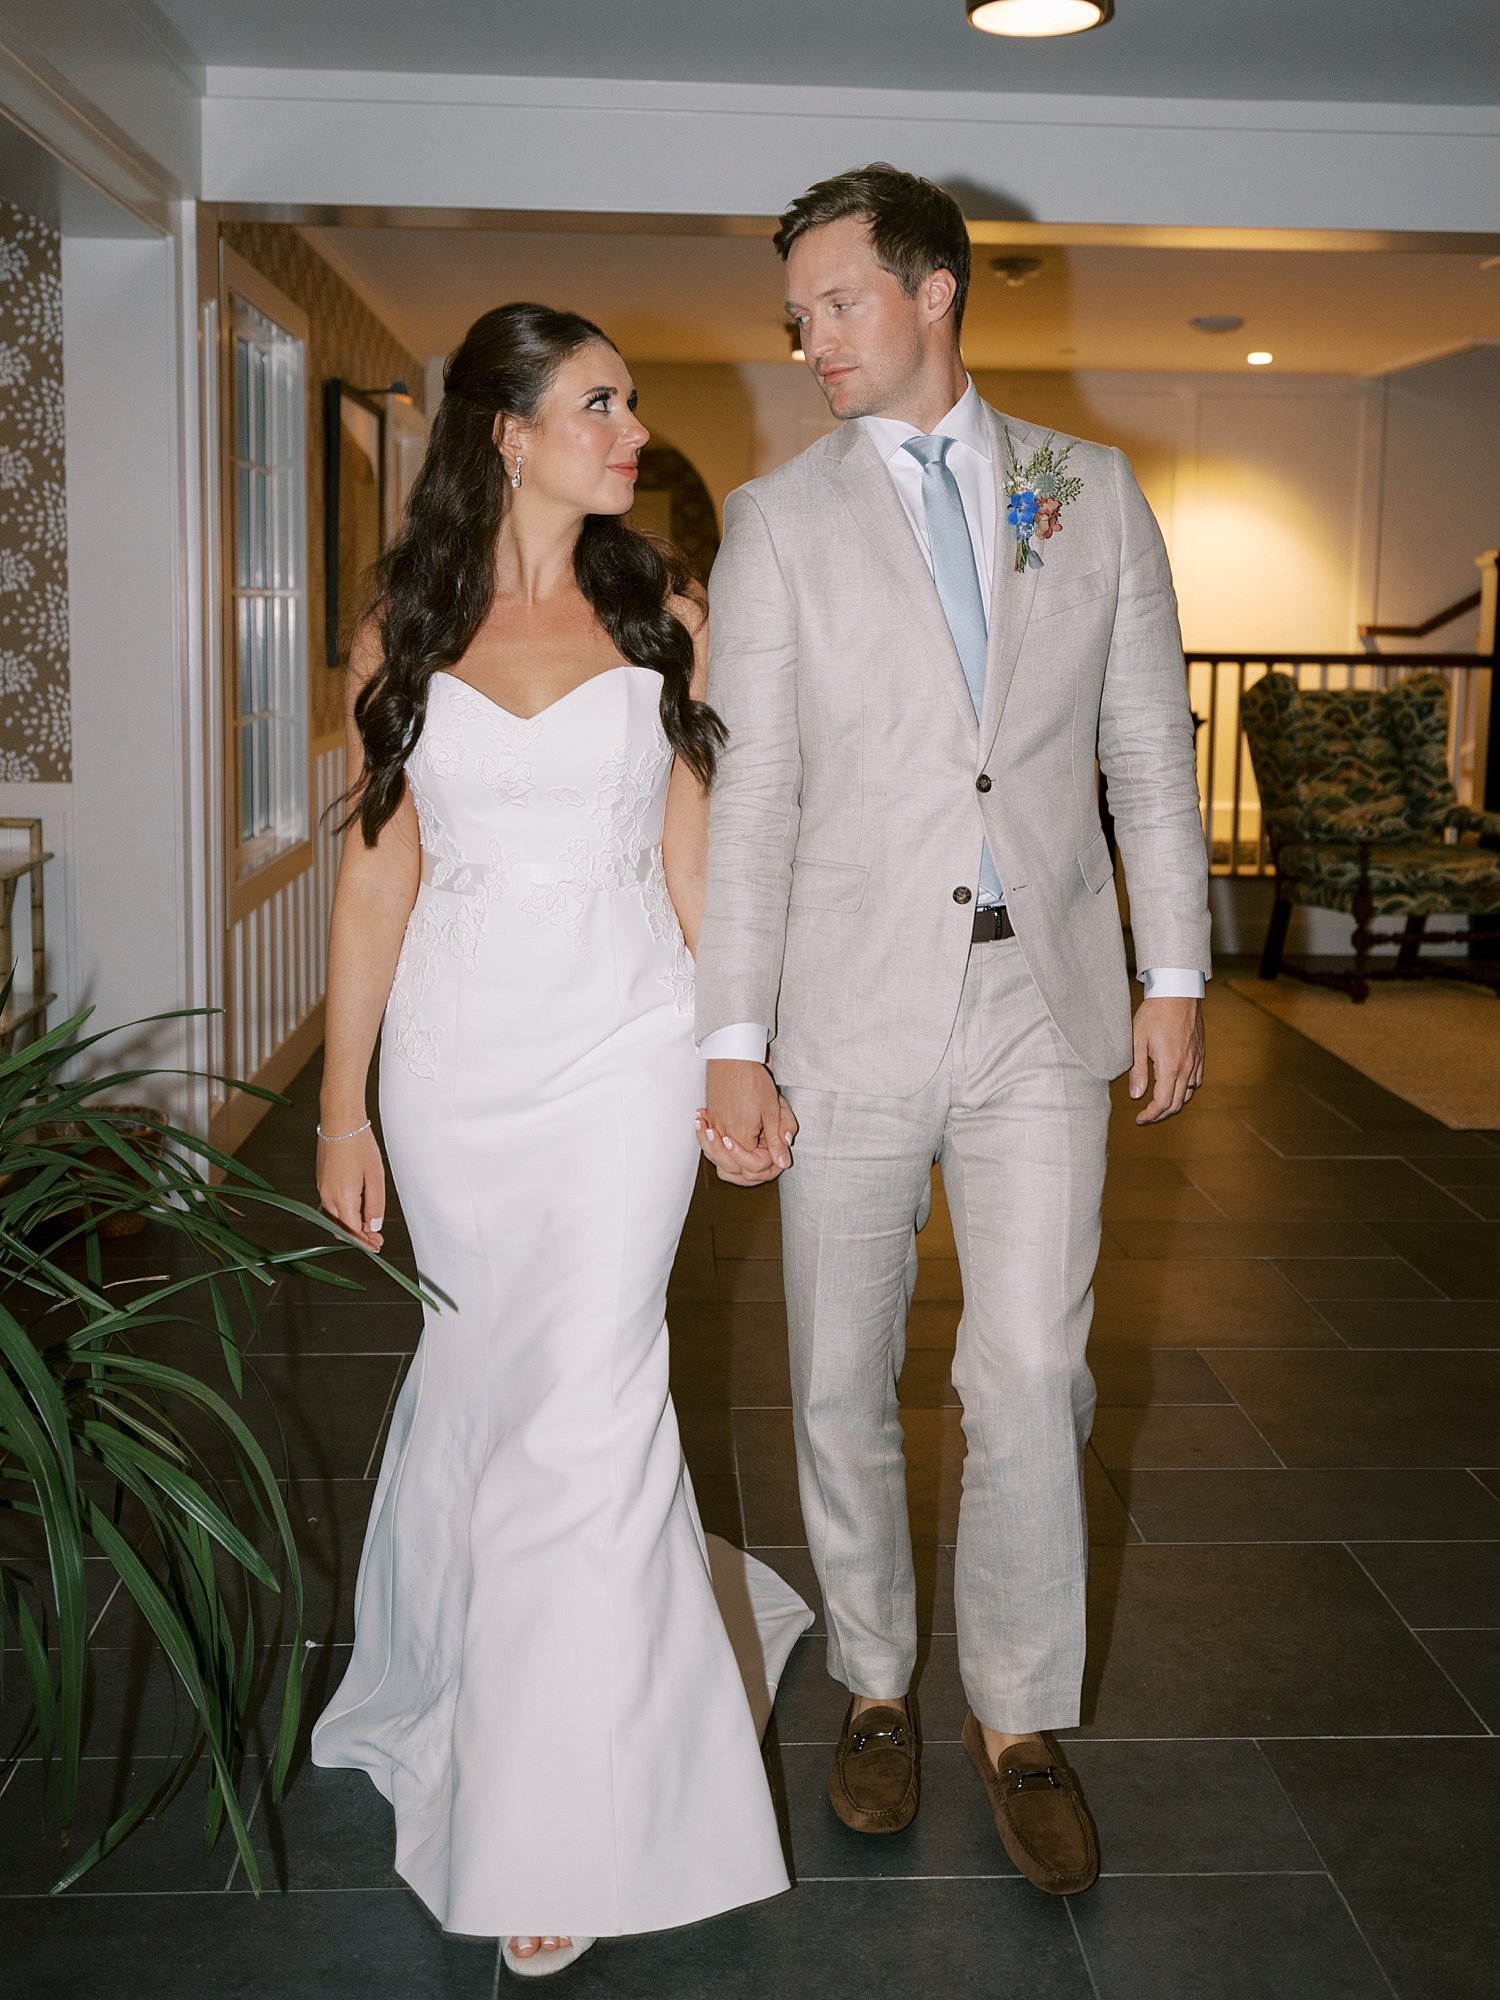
971,464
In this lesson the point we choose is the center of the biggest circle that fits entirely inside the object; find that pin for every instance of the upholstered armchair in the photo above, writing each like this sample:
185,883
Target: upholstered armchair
1362,816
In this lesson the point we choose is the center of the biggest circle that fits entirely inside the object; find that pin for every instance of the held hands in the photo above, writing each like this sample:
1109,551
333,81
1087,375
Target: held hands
1168,1038
747,1128
351,1186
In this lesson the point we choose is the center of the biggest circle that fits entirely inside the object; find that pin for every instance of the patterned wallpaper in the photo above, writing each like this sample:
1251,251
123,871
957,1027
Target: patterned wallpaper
35,712
346,340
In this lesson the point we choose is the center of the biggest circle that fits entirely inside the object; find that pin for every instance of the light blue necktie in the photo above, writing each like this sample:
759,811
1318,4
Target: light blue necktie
957,583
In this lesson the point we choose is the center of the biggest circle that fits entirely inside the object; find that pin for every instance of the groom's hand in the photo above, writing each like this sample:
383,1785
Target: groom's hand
1168,1041
747,1127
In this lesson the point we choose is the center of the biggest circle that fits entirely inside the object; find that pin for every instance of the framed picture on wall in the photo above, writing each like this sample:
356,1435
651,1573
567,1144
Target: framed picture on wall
353,508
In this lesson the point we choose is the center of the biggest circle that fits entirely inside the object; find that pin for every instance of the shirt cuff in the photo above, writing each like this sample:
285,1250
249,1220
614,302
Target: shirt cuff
1173,982
741,1041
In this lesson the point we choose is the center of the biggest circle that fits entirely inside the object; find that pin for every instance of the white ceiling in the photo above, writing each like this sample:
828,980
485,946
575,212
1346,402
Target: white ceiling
1371,51
717,298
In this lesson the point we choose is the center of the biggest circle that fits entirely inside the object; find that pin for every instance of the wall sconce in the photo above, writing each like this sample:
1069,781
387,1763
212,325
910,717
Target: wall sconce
397,390
1036,18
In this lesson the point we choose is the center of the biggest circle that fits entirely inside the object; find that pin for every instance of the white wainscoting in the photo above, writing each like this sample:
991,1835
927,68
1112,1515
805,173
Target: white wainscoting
328,787
276,963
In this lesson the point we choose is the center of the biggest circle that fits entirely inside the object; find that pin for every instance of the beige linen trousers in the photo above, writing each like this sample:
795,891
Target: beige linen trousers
844,843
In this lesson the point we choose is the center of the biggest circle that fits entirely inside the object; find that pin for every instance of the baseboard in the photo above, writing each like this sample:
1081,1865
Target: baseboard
1241,910
239,1115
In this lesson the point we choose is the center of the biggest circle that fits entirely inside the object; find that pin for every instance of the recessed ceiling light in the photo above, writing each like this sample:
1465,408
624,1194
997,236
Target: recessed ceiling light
1015,270
1260,358
1217,322
1039,17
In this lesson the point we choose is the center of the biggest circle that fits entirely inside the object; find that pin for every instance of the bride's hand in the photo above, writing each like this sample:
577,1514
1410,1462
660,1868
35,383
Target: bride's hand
732,1166
351,1186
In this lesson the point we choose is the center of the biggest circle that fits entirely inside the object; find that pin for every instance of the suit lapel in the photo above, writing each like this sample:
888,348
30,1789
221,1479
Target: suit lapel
857,475
1011,591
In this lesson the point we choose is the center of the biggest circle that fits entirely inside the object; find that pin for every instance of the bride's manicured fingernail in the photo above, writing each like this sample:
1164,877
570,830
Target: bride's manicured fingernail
728,1144
377,1223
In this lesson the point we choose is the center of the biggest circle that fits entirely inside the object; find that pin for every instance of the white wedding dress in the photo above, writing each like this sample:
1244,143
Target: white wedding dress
558,1684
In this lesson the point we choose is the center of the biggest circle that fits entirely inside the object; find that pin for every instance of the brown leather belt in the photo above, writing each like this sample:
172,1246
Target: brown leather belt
991,923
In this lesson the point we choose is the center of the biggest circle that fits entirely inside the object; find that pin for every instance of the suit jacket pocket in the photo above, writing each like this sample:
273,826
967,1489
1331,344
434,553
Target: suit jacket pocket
1097,867
827,885
1068,592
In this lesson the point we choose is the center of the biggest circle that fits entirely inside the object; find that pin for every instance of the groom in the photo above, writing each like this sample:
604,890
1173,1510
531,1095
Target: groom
925,629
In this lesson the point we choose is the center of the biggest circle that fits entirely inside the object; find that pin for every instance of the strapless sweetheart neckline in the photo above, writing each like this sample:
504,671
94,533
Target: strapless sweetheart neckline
604,673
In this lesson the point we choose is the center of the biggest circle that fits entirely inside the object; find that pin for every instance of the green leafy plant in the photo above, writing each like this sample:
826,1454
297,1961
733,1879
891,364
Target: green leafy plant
102,1444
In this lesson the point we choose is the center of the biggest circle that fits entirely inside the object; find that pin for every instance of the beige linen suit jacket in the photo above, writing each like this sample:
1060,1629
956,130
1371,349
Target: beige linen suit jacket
846,811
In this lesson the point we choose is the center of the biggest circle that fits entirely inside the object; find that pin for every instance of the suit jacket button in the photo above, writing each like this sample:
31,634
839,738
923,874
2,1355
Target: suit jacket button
982,782
963,895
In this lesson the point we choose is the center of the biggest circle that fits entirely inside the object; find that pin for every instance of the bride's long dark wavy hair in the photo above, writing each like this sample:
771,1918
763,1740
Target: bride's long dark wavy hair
434,586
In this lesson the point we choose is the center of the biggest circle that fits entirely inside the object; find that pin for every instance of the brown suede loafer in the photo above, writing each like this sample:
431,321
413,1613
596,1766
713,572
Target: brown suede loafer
875,1783
1040,1812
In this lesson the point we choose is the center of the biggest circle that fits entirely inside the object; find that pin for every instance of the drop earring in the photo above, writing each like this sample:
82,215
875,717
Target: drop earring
515,477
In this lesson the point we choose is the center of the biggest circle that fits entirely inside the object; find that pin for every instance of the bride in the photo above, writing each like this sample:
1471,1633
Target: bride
543,1681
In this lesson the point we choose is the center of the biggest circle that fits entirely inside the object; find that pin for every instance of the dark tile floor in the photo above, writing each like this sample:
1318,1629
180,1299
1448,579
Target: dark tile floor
1294,1685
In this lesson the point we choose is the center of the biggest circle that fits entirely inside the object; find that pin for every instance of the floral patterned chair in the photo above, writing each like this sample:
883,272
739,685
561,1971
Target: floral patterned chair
1362,816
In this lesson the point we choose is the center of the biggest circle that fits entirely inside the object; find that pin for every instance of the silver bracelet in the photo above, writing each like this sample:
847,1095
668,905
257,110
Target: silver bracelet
335,1138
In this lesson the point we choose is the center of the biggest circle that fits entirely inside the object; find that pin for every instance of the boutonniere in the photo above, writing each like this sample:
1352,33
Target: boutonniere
1038,491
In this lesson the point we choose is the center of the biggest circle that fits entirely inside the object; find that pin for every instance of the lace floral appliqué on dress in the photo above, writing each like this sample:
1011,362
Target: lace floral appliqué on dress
680,976
451,922
541,819
627,798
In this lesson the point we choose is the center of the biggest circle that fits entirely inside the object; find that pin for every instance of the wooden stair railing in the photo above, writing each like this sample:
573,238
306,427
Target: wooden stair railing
1486,564
1432,624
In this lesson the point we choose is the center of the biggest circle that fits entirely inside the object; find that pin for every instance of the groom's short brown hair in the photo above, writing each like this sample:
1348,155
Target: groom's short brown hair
916,227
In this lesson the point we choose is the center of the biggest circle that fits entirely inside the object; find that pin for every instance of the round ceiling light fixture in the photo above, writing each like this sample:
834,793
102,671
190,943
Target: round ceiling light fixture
1037,18
1260,357
1217,322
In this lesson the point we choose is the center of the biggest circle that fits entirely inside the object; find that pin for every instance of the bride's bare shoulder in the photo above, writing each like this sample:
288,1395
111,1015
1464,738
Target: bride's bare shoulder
689,606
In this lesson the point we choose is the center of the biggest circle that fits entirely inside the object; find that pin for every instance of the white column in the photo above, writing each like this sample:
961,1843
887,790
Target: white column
135,940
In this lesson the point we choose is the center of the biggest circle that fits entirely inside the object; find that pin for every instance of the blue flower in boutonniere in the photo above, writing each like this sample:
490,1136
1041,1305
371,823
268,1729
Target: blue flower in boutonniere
1038,491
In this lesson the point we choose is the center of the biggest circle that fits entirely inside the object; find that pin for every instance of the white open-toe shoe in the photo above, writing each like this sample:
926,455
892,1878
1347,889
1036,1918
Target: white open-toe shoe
542,1964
